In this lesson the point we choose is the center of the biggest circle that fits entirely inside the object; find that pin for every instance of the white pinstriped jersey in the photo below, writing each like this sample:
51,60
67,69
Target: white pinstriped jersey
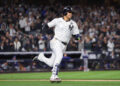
63,30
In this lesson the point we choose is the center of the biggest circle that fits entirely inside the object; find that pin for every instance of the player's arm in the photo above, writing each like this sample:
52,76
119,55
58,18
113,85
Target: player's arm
76,33
45,27
48,25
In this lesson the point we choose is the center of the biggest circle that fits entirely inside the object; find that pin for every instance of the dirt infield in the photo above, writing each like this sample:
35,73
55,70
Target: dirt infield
69,80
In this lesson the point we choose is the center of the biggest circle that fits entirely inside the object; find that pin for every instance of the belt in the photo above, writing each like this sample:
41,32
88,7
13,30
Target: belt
61,41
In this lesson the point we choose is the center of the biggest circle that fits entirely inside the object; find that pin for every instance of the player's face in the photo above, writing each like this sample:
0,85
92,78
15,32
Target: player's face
69,15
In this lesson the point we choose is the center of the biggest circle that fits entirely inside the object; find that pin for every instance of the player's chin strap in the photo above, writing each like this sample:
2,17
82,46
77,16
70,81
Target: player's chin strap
77,37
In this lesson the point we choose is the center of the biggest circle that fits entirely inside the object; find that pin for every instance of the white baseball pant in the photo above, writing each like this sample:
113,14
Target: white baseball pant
58,49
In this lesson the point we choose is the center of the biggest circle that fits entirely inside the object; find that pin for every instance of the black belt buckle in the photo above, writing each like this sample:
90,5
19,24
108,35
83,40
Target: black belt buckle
64,43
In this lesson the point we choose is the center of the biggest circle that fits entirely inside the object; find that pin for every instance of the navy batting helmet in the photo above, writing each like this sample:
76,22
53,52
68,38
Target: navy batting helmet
67,9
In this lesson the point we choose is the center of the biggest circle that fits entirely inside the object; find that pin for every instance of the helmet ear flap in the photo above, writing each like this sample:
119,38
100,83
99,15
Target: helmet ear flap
65,13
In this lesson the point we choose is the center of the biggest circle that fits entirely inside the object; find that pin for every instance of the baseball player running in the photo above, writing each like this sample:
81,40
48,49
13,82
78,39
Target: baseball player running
64,28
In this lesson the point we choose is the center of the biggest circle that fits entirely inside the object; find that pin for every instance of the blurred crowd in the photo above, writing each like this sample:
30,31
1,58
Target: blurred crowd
21,28
12,65
68,63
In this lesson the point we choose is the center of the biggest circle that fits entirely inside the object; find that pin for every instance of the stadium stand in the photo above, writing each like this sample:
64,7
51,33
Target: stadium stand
21,28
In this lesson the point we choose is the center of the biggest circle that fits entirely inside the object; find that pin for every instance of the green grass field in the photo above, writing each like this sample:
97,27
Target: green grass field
69,79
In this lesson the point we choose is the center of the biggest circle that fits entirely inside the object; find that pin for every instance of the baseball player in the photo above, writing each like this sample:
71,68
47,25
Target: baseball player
85,56
64,28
